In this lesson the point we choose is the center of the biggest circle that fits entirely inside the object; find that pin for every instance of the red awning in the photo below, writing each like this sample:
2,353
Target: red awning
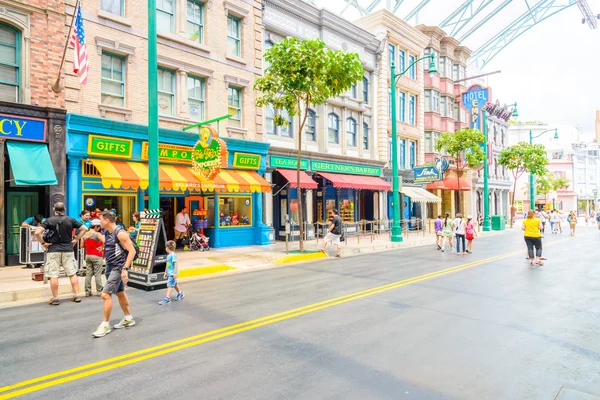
291,176
356,181
449,184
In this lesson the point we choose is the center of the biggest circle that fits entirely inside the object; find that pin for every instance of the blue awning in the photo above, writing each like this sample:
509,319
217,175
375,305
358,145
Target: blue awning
31,164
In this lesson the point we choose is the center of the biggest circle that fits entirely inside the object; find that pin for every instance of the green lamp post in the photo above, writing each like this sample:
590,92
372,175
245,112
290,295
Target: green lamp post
153,177
396,229
487,224
531,177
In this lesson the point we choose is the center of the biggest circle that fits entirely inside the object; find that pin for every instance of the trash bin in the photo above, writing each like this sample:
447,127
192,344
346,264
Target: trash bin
498,223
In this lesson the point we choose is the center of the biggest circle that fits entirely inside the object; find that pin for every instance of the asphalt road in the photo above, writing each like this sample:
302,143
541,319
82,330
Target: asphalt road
492,328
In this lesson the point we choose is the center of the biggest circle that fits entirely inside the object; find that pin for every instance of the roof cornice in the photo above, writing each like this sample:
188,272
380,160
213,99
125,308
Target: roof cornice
397,29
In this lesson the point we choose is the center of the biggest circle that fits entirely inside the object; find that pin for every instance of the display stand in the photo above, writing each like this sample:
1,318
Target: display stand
30,250
148,270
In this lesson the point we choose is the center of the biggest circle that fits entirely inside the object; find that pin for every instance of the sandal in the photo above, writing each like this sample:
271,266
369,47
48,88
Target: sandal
54,302
338,255
76,299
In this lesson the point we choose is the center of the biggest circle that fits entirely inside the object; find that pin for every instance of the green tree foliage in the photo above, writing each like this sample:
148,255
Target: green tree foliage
464,144
523,158
547,184
302,74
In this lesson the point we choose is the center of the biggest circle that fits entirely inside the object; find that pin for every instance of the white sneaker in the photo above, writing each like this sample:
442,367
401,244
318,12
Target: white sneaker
125,323
102,330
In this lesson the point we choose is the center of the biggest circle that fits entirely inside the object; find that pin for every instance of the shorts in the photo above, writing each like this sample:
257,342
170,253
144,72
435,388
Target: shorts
438,233
180,235
56,260
171,281
332,238
114,282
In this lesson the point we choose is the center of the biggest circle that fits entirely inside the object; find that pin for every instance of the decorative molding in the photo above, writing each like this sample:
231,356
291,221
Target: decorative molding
114,17
235,81
234,9
187,67
15,16
233,131
236,59
126,113
165,37
114,46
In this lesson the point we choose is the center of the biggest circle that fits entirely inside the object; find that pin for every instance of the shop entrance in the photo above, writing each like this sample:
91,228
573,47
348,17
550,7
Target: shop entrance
168,206
20,205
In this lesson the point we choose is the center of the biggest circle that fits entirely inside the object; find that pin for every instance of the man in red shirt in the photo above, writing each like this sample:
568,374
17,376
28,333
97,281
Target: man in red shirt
94,253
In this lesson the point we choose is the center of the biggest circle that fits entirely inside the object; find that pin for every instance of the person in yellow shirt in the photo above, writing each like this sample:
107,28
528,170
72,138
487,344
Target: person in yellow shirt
532,227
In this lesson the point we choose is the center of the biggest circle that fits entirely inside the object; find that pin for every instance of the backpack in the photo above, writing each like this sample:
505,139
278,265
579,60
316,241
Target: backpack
133,242
470,232
53,235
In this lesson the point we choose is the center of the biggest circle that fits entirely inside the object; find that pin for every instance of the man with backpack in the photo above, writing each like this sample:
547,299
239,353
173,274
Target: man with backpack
56,236
119,254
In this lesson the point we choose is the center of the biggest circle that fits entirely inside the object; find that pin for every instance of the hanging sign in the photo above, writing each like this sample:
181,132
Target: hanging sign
210,154
474,100
426,174
170,153
19,128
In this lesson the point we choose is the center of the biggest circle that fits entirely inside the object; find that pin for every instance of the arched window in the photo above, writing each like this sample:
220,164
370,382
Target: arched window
272,129
270,117
365,136
351,132
10,63
310,127
333,128
286,130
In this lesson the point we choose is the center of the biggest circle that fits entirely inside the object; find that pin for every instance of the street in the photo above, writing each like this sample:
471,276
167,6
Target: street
398,324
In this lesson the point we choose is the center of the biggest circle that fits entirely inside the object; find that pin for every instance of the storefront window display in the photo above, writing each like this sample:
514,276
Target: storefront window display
233,211
124,205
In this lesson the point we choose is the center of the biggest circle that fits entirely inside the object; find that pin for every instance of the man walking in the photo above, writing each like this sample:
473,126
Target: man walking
182,223
118,254
59,242
334,233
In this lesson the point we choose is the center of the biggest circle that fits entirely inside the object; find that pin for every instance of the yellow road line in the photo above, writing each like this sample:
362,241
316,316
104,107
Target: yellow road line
156,351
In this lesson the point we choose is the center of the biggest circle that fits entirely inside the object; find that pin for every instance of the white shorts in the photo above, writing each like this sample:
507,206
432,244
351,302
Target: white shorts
332,238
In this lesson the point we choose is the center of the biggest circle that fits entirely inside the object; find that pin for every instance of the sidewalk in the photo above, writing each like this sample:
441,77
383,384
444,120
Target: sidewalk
16,283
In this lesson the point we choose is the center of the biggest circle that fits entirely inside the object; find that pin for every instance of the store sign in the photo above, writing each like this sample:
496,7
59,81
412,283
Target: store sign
246,161
473,100
105,146
209,155
170,153
19,128
288,162
323,166
426,174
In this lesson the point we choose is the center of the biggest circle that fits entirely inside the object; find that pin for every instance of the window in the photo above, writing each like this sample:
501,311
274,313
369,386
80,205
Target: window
429,51
448,68
10,61
413,154
271,128
444,106
286,130
428,142
366,90
196,93
412,110
389,102
237,211
442,69
234,36
455,72
113,6
351,132
402,154
113,80
310,127
402,105
392,54
401,60
450,107
270,120
268,44
195,21
413,67
234,103
435,101
166,92
165,20
455,107
333,128
365,136
353,92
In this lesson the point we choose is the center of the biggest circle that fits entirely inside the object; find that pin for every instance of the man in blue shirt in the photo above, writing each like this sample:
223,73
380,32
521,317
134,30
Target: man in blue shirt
85,219
33,222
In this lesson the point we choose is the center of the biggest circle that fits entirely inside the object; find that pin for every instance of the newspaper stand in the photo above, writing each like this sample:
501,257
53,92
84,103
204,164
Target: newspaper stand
30,250
148,270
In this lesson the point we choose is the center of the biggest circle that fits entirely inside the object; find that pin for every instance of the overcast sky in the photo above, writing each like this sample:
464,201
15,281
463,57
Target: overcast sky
552,71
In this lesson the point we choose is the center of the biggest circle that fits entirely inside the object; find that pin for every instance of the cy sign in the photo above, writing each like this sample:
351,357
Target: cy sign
473,100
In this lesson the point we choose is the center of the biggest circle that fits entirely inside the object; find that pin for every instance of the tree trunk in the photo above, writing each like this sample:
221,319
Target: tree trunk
298,172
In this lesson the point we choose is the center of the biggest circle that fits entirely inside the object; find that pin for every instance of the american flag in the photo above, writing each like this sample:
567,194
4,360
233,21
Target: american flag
80,59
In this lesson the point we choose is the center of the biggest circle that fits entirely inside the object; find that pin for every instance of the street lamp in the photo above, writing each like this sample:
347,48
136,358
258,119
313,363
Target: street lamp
396,229
531,177
487,225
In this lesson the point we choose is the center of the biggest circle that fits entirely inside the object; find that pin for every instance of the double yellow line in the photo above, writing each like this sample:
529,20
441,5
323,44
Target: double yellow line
58,378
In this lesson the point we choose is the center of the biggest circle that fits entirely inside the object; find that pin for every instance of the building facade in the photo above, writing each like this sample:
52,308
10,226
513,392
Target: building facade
32,118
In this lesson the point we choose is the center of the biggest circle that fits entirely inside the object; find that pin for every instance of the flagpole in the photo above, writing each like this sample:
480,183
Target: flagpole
56,86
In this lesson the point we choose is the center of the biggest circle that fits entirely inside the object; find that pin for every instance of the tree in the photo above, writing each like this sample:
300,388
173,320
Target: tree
523,158
550,183
301,74
463,144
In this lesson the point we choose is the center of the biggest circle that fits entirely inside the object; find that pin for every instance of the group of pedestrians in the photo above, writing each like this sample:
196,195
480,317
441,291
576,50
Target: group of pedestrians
448,229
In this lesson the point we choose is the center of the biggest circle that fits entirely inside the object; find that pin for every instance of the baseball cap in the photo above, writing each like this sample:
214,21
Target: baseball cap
470,217
95,222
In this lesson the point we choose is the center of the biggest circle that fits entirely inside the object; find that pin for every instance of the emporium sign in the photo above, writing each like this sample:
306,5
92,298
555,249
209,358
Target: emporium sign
209,155
19,128
473,100
323,166
170,153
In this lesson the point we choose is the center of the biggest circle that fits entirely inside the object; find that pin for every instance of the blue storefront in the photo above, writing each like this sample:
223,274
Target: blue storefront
106,169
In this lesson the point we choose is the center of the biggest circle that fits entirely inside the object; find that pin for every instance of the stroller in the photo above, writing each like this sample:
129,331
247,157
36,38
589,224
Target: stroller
197,240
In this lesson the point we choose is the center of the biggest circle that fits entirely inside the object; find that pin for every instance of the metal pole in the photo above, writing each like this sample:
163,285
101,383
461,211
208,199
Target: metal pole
153,182
486,200
531,180
396,229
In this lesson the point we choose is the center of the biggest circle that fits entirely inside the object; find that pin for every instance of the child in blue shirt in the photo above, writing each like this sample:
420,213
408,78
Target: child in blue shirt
171,274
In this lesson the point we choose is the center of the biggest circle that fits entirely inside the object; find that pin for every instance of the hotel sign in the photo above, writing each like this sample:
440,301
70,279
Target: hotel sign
474,100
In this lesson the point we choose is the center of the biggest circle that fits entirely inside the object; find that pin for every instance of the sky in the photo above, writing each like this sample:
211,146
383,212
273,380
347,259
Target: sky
552,71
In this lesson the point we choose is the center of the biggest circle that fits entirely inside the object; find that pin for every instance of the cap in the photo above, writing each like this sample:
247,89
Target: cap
95,222
470,217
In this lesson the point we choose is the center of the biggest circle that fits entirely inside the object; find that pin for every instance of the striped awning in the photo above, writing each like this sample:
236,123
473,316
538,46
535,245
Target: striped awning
134,175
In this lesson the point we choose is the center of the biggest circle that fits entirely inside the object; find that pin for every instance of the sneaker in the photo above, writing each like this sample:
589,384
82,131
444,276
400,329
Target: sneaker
125,323
180,296
102,330
165,301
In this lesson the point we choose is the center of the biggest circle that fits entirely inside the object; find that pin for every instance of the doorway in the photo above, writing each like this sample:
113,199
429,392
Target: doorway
20,205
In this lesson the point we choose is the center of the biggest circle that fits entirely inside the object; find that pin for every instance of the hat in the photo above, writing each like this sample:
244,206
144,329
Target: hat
470,217
95,222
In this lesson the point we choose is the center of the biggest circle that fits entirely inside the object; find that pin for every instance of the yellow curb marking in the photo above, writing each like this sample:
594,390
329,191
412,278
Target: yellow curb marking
300,257
185,273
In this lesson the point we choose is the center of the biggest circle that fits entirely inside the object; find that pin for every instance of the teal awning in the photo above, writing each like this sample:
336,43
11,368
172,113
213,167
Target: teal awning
30,163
